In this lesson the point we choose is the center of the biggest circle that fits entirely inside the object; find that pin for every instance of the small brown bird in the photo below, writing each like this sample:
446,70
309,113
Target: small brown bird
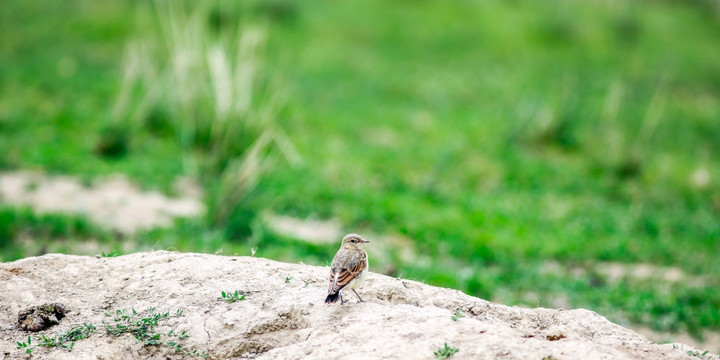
348,269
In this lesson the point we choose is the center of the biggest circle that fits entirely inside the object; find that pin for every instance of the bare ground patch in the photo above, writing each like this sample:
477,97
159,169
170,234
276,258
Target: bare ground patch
113,202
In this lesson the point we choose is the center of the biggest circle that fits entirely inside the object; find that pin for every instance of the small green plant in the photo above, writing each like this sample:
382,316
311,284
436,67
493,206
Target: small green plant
702,355
287,279
79,332
232,297
27,346
445,352
307,283
64,340
143,329
458,315
178,347
67,339
110,254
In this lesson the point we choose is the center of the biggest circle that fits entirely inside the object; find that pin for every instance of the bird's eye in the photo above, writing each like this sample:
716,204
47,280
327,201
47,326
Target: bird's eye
353,240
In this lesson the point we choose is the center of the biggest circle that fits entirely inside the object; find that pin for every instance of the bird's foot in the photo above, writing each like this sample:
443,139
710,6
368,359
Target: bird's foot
358,296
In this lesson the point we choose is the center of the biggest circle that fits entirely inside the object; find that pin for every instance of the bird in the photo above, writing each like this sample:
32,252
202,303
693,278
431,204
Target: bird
349,268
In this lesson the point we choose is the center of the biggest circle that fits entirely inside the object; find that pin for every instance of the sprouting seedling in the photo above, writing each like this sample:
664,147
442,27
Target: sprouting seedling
699,355
287,279
232,297
144,328
26,345
67,339
458,315
445,352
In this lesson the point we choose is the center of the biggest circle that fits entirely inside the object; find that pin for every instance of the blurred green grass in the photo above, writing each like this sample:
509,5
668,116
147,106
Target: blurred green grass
497,135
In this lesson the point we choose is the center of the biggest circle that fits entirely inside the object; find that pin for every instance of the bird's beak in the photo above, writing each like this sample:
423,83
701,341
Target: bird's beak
365,241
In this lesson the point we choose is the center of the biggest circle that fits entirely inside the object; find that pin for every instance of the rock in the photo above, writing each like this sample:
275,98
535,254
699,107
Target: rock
279,319
37,318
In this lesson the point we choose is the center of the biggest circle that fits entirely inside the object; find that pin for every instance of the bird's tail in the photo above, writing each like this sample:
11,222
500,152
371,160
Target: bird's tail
332,298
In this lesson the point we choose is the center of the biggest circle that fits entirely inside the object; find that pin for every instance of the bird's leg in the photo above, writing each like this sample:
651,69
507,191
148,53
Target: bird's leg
356,294
342,300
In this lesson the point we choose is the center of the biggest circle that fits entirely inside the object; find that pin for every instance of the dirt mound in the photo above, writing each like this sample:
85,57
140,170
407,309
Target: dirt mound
169,305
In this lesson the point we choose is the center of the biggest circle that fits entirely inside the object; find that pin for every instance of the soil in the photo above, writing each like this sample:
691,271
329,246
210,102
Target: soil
283,315
113,202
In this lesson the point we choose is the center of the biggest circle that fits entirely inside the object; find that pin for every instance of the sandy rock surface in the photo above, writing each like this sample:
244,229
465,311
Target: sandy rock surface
283,315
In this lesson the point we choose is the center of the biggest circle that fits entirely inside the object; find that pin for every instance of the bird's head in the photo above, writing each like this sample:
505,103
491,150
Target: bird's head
353,241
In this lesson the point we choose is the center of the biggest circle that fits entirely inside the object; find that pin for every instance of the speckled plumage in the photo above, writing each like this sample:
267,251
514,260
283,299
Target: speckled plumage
348,268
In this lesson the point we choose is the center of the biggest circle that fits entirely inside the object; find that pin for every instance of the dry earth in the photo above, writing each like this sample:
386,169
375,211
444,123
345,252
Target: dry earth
113,202
283,315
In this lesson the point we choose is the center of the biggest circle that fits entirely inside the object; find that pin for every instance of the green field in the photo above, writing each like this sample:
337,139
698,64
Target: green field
516,148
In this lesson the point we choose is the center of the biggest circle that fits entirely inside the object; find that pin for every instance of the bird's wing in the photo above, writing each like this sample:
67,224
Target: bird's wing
342,273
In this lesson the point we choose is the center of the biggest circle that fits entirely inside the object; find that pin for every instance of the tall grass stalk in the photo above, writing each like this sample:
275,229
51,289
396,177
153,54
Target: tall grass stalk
210,85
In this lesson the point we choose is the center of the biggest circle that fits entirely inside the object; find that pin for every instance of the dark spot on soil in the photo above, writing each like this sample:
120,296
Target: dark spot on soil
37,318
555,337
